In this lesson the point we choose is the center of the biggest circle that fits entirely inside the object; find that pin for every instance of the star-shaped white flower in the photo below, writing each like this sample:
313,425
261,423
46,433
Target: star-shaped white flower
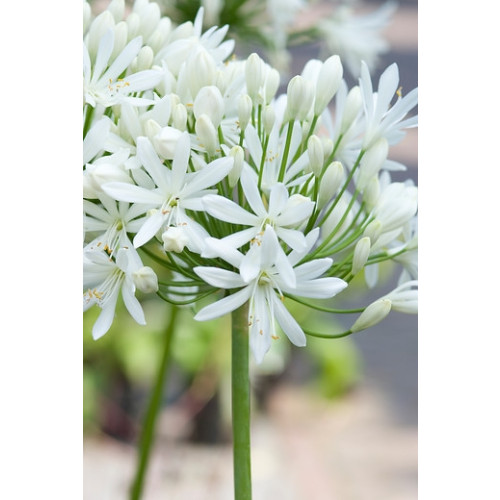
176,191
102,83
283,213
276,273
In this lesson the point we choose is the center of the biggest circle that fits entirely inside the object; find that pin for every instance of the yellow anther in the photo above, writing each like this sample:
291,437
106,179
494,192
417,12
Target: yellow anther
398,92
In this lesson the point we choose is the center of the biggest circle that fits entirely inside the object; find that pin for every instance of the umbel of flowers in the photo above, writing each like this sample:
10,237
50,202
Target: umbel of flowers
235,192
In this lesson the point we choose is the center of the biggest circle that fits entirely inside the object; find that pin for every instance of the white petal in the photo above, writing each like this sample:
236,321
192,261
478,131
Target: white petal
217,248
260,334
320,288
105,319
220,278
228,211
154,166
293,238
123,191
150,227
313,269
180,162
103,53
210,175
252,193
288,324
126,56
133,305
277,199
224,306
250,265
143,80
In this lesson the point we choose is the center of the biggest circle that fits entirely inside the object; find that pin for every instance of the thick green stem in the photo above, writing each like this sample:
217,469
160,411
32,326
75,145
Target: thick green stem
154,405
241,405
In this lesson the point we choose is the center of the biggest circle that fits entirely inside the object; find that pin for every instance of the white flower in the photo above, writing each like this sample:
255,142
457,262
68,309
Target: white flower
103,279
276,273
102,83
356,37
404,298
176,191
283,213
382,119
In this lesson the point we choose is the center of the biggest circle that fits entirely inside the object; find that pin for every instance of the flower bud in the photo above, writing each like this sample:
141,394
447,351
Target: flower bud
373,230
315,154
200,71
361,254
329,78
145,280
117,9
272,84
296,94
107,172
99,26
206,133
372,315
371,162
150,17
121,34
244,110
234,175
144,59
151,128
165,142
269,119
179,117
174,239
327,144
371,193
210,102
330,183
87,16
352,106
253,75
134,24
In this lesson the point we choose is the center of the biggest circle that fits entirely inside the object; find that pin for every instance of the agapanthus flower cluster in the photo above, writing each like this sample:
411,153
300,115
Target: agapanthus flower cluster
234,193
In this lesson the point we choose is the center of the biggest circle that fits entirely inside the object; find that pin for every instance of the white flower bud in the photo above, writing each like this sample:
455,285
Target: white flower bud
134,25
117,9
212,11
300,94
371,193
87,16
315,154
253,75
99,26
144,59
330,183
200,71
372,315
206,133
327,144
179,117
174,239
145,280
352,106
329,78
269,119
107,172
234,175
159,37
121,37
373,230
338,221
371,162
361,254
210,102
272,84
151,128
244,110
165,142
150,17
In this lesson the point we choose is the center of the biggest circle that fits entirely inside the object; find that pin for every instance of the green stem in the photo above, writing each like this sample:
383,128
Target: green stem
241,404
147,435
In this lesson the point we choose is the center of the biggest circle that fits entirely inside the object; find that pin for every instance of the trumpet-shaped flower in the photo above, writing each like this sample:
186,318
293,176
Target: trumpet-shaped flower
276,274
176,191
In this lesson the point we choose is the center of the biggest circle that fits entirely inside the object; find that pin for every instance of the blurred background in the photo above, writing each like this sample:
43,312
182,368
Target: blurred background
334,421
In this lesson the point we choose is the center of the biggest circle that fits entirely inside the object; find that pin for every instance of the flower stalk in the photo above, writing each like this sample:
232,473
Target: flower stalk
240,384
148,429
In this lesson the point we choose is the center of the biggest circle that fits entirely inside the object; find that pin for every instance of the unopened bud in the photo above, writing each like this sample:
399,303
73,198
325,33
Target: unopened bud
234,175
151,128
296,95
272,84
174,239
372,315
373,230
145,58
330,183
210,102
329,78
117,9
107,172
352,106
179,117
206,133
327,144
99,26
201,71
253,75
371,193
372,162
361,254
244,110
145,280
269,119
134,24
315,153
121,34
166,141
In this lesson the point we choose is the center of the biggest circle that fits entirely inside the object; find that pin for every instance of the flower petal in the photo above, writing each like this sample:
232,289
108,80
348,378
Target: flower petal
220,278
224,306
288,324
228,211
